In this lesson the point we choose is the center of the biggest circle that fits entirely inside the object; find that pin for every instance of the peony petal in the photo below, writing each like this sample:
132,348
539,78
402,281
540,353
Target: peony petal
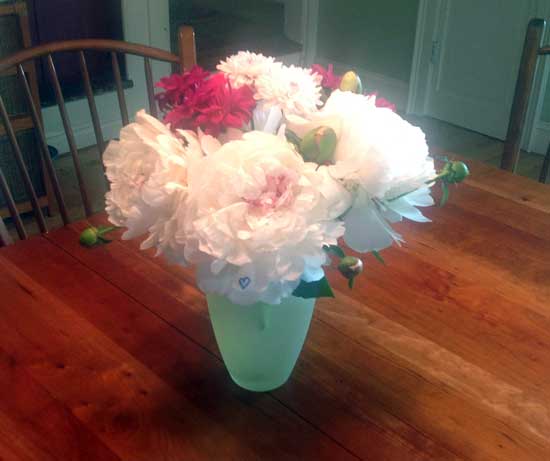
420,197
209,144
367,231
404,208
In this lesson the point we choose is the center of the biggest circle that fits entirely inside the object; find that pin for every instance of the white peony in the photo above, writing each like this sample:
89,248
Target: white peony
147,170
257,219
380,157
245,67
294,89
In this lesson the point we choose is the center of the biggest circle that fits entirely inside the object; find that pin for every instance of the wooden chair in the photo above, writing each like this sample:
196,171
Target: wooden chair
532,49
185,60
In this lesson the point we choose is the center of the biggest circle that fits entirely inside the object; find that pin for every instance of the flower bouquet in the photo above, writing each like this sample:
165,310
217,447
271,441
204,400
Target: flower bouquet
255,176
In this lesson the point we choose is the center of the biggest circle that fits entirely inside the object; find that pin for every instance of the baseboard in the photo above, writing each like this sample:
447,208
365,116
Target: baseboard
84,135
393,89
540,138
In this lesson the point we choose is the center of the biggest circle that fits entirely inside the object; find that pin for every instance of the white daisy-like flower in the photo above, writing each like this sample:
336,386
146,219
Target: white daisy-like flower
245,67
257,219
294,89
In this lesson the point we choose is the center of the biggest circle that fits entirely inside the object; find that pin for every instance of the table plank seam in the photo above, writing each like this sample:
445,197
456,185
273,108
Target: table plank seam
61,404
178,330
420,431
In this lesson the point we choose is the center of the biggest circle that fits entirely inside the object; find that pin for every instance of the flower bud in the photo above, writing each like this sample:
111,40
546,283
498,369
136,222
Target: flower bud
455,172
350,267
89,237
351,82
318,145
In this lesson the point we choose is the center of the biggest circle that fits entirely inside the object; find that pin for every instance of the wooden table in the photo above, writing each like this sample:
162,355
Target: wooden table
442,353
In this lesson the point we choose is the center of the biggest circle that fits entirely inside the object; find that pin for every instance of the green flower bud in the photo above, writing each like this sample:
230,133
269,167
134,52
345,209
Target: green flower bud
350,267
351,82
455,172
89,237
318,145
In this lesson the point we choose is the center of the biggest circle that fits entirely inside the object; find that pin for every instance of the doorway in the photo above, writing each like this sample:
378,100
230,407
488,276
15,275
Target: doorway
466,61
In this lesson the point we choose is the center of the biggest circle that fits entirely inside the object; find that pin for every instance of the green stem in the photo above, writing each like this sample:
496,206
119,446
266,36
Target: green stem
103,230
428,182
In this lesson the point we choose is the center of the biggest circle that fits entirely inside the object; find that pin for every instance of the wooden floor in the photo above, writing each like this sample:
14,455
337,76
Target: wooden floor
450,138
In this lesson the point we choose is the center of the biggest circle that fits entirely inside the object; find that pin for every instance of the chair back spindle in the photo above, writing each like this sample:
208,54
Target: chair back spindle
150,88
532,49
119,89
185,60
5,189
69,134
5,237
91,102
22,167
43,145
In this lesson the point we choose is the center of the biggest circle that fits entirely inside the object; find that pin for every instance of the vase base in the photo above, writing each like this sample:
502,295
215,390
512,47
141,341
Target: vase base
259,385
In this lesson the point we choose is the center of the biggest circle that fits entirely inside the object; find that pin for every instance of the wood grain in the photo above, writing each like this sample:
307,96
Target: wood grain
164,289
183,365
441,353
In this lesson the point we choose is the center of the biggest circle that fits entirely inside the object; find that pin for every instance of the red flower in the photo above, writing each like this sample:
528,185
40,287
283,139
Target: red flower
330,80
177,87
211,104
383,102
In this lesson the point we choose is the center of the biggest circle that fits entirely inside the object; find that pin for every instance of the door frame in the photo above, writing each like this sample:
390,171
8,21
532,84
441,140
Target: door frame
422,69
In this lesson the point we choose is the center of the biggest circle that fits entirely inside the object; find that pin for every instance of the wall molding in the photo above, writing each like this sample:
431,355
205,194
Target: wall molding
310,20
84,134
540,138
415,101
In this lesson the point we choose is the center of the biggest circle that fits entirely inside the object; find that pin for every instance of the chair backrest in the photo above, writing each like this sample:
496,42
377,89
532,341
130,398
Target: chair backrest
532,49
185,60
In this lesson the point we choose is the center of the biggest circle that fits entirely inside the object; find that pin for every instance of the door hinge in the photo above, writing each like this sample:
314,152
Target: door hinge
434,58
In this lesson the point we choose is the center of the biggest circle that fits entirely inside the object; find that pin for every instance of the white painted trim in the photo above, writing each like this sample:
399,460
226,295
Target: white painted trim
145,22
310,19
416,69
537,136
422,70
540,138
393,89
85,135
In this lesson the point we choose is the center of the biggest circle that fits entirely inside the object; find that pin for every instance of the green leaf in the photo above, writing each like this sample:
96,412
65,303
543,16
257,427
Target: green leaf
293,138
319,289
335,250
444,193
378,256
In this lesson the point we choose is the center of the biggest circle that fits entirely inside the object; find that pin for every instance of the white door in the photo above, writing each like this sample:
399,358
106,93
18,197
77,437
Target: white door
475,56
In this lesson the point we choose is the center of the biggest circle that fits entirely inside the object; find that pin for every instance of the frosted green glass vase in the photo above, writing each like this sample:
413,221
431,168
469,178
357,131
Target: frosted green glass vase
260,343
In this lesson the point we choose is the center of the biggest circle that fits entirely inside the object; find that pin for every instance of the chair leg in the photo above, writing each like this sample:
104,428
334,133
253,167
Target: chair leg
5,238
545,170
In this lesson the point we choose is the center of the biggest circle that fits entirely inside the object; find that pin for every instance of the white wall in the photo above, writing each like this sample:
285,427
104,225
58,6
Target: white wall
145,22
